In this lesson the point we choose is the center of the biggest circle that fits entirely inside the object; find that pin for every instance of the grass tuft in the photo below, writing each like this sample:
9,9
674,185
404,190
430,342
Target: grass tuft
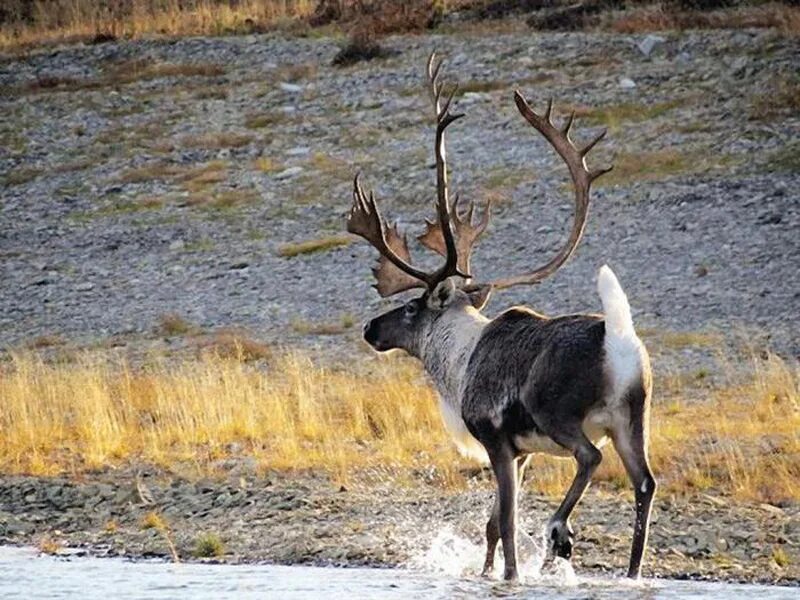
172,324
48,545
153,520
111,526
20,176
46,341
264,120
149,172
631,167
614,115
314,246
780,557
236,345
780,99
654,17
208,545
216,141
267,165
785,159
304,327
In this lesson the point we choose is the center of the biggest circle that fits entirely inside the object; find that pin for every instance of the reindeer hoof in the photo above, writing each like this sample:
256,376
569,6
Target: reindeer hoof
561,539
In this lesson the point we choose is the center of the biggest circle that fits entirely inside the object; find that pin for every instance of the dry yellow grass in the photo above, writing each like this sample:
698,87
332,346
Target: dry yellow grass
215,141
313,246
653,17
154,520
52,21
744,442
48,545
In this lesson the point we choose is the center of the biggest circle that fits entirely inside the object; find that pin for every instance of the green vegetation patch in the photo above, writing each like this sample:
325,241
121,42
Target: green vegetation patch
264,120
20,176
786,159
630,167
629,112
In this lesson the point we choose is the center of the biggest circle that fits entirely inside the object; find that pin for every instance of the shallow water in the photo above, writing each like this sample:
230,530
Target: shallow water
26,574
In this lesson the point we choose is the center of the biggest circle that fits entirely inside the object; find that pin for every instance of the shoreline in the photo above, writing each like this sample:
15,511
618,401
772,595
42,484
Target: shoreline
307,519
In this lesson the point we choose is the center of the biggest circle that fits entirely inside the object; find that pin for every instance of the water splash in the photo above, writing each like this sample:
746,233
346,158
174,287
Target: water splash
451,554
455,555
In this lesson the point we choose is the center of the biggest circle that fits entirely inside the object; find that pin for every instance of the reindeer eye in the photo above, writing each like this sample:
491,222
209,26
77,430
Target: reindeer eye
411,309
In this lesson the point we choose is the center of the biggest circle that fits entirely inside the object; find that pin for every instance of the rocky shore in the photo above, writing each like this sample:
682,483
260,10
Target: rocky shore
303,518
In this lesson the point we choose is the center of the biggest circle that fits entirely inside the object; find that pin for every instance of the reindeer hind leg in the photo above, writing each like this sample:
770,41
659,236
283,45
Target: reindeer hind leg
630,442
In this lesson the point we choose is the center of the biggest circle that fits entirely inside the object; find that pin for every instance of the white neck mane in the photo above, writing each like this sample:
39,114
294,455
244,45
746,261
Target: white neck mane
445,353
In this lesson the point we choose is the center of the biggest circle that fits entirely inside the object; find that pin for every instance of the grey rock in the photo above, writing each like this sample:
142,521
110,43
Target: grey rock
649,43
291,87
289,173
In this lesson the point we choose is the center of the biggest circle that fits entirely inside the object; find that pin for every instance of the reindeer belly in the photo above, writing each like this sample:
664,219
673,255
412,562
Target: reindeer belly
536,443
595,426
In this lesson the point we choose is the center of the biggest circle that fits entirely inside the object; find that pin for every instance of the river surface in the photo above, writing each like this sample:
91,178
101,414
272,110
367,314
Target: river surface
24,573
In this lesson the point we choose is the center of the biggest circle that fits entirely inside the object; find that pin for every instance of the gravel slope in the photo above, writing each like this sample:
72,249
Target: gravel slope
701,228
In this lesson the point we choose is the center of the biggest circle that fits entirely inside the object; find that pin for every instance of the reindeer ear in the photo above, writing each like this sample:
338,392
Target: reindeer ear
442,295
480,296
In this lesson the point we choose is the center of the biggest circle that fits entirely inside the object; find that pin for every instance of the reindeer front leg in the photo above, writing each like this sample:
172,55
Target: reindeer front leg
505,471
493,524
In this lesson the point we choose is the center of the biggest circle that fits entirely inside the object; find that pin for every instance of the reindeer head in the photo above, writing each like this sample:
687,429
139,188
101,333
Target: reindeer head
451,287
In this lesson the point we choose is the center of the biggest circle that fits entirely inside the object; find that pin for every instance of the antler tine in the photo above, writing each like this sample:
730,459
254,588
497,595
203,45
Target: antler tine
470,209
546,112
588,147
568,125
466,232
394,271
444,118
451,236
582,180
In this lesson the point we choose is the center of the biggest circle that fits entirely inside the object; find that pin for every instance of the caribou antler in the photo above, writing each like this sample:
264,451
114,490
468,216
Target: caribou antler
582,179
394,272
452,235
466,233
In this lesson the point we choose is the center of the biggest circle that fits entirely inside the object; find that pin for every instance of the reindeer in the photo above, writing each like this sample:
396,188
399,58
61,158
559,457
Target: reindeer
521,383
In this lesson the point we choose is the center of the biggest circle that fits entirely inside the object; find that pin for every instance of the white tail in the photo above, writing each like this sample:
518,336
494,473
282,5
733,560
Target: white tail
615,304
623,348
